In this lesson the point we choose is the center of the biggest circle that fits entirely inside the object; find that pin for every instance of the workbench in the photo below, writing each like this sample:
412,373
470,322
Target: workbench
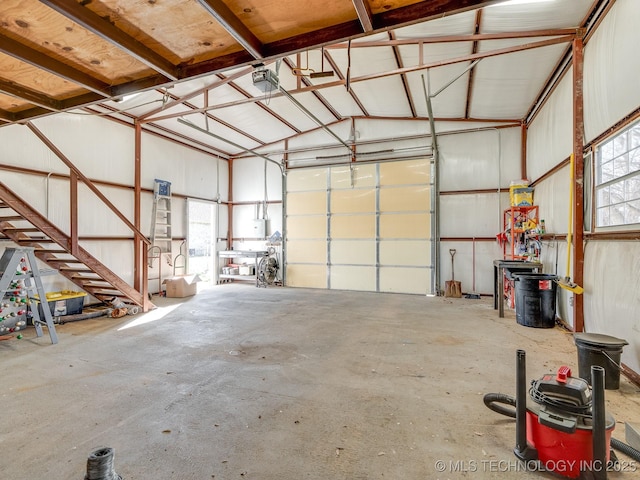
499,267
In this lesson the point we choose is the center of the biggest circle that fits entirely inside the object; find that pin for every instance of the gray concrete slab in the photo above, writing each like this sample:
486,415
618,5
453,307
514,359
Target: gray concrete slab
240,382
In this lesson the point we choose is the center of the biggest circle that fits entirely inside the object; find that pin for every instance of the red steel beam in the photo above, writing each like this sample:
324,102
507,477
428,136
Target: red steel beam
578,189
73,214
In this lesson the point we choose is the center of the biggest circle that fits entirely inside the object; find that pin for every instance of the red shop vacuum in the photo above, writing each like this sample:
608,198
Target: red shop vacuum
561,426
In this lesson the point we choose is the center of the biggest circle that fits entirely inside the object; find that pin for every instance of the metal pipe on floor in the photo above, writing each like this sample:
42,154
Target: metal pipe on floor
521,405
599,465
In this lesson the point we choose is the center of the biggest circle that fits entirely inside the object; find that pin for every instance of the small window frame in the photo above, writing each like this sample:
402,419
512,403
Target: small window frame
616,190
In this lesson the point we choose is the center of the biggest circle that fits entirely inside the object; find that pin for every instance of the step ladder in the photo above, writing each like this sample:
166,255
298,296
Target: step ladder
161,247
19,282
161,222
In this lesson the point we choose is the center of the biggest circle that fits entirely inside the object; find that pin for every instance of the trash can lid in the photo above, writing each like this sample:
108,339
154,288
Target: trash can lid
534,276
598,340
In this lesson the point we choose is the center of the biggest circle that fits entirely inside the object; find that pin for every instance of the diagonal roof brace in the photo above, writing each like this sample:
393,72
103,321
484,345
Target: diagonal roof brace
315,119
237,145
363,10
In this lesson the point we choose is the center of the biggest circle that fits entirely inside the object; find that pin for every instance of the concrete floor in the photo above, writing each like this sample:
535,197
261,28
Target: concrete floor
246,383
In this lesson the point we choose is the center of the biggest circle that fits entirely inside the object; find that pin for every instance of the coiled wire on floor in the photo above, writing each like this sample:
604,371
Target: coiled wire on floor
100,465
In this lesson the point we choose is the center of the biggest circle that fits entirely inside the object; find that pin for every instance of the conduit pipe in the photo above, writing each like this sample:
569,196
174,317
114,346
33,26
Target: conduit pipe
435,195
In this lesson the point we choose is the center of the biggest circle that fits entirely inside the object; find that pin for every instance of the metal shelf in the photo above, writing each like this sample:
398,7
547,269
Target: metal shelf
256,255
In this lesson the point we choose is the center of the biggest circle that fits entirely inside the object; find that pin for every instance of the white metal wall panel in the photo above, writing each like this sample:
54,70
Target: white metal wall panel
458,24
550,136
499,81
249,180
552,196
612,294
21,147
469,215
84,140
392,103
479,160
533,16
611,69
189,171
451,101
486,253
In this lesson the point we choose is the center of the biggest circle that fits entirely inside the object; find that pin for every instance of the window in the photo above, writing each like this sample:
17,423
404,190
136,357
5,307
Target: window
618,179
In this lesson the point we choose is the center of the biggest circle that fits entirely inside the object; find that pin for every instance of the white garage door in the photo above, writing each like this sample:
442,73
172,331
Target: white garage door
360,227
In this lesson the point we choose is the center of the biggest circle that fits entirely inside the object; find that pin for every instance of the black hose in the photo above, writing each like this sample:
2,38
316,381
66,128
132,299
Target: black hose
493,401
628,450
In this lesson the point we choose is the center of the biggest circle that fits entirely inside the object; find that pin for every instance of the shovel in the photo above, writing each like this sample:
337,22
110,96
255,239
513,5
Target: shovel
452,288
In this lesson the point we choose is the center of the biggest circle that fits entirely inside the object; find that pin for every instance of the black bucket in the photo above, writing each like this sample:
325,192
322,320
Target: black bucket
536,299
602,350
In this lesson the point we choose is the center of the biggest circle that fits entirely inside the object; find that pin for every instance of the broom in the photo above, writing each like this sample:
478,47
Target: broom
566,282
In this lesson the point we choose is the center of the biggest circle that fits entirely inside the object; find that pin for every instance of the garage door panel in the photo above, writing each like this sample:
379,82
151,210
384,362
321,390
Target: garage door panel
369,229
353,226
416,225
307,179
405,280
403,199
353,278
410,172
363,176
307,203
353,252
309,276
307,227
353,201
405,252
307,251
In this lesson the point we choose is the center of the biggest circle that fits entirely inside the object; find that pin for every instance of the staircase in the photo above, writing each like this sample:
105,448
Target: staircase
26,227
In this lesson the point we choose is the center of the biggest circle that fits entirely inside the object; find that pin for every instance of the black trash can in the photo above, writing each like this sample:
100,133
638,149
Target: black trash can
536,299
602,350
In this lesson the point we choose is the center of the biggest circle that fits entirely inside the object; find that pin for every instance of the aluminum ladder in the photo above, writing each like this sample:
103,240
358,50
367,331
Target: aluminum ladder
20,278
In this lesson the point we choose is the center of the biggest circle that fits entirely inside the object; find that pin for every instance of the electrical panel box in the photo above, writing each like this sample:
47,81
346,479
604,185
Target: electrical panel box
260,227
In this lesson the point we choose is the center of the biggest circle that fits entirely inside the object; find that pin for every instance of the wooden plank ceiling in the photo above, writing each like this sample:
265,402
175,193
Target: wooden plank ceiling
61,55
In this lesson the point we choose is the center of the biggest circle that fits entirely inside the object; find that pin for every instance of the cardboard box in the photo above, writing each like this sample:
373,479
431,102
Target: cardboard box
181,285
247,269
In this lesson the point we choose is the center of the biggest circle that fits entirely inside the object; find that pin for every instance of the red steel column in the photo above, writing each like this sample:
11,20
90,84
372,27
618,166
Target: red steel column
578,190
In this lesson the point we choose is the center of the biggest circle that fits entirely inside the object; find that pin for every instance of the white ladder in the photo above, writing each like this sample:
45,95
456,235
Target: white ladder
161,222
19,277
